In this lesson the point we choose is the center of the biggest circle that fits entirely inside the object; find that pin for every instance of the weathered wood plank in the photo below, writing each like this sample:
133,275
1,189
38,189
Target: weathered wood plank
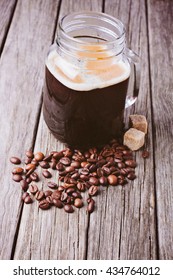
54,234
123,227
21,72
7,8
160,15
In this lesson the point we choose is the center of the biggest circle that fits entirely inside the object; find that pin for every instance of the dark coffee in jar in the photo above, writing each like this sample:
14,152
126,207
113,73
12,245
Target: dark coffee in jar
84,109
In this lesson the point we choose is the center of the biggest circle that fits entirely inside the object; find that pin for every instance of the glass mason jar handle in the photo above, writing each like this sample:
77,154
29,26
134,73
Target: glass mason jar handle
135,61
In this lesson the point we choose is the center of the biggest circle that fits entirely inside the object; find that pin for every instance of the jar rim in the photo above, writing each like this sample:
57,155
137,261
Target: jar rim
106,17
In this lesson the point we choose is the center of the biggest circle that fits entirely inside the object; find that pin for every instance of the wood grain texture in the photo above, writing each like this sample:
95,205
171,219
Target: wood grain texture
160,14
7,8
54,234
123,227
21,72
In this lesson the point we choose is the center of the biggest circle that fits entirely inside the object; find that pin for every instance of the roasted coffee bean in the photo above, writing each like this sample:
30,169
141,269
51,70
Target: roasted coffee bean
91,206
57,155
44,204
127,153
24,185
76,164
15,160
127,157
84,177
69,169
121,165
123,172
131,176
78,203
33,189
145,154
103,181
39,195
44,164
75,175
113,180
87,154
67,153
28,199
63,173
34,177
100,172
64,196
118,155
65,161
17,177
81,186
92,160
49,199
30,166
107,153
24,195
70,190
93,181
130,163
35,162
48,193
58,203
52,185
27,160
83,164
17,170
53,164
56,194
60,188
39,156
48,158
29,172
84,171
28,180
113,168
93,190
76,195
106,170
93,167
68,208
29,154
46,174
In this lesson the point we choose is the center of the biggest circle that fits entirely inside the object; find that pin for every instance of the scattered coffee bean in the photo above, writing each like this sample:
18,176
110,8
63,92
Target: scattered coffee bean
130,163
68,208
53,164
47,174
58,203
44,204
17,170
29,154
76,195
28,180
30,166
34,177
35,162
112,179
17,177
39,195
91,206
47,193
24,195
93,190
49,199
69,169
70,190
48,158
65,161
78,203
28,199
64,196
33,189
56,194
24,185
131,176
76,164
44,164
103,181
81,186
93,181
145,154
28,160
39,156
52,185
15,160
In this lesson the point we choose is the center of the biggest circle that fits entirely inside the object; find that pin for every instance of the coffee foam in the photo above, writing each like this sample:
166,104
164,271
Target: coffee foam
99,73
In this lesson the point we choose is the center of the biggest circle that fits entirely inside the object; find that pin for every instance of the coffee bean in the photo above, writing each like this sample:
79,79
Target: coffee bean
68,208
131,176
17,170
52,185
44,164
15,160
33,189
35,162
84,171
87,154
63,173
127,153
44,204
100,172
60,166
121,165
39,195
145,154
39,156
24,185
46,174
65,161
34,176
30,166
92,160
93,167
24,195
103,181
57,155
49,199
17,177
28,160
48,158
70,190
67,153
29,154
28,199
60,188
56,194
30,171
76,164
106,170
78,203
91,206
64,196
112,179
48,193
130,163
58,203
93,181
53,164
28,180
93,190
69,169
101,162
75,175
81,186
83,164
76,195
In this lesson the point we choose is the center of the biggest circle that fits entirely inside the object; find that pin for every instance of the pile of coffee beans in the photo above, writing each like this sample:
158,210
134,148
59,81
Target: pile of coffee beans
79,171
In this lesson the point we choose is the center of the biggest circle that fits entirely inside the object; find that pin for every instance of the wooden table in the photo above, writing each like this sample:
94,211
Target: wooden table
131,222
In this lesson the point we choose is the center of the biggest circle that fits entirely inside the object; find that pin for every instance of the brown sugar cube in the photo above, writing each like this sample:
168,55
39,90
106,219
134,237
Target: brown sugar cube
139,122
134,139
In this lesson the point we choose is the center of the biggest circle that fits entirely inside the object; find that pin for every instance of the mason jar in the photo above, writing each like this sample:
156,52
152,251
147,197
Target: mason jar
86,79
